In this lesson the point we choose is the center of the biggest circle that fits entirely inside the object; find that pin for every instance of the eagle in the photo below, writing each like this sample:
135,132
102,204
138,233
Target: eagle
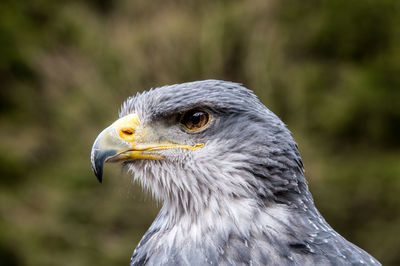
229,176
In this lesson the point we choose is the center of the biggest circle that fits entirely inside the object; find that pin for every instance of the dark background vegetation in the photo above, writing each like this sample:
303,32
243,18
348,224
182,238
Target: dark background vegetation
330,69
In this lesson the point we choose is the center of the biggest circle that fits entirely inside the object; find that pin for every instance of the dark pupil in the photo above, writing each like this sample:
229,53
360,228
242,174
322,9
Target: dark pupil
196,118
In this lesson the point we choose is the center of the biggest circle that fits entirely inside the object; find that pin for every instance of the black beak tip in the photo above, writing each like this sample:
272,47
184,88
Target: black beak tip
98,172
99,177
98,160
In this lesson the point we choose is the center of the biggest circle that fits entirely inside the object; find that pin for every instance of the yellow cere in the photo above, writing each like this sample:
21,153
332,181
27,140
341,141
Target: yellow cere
126,127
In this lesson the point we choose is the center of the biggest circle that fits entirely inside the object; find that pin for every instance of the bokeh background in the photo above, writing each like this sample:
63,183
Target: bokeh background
330,69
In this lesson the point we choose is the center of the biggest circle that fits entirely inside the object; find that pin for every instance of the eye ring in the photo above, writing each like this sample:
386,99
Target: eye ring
195,120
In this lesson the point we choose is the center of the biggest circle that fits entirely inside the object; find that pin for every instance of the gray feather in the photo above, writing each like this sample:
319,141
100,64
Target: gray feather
240,200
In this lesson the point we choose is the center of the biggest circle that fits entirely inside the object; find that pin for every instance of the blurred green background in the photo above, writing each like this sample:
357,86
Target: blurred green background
330,69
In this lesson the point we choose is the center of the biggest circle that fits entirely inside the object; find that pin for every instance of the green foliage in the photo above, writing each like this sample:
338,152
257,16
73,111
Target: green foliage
329,68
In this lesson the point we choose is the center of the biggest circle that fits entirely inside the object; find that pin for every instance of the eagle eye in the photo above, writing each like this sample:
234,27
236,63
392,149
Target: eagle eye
194,120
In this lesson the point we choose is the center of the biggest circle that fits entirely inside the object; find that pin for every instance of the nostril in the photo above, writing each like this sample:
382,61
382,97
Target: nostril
127,131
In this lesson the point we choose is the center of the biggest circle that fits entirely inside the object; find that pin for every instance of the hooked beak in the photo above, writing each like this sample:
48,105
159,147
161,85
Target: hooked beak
126,140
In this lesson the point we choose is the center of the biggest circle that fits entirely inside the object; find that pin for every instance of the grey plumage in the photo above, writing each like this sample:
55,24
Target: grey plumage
242,199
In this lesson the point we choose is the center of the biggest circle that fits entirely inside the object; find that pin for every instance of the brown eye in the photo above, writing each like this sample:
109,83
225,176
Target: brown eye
194,120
